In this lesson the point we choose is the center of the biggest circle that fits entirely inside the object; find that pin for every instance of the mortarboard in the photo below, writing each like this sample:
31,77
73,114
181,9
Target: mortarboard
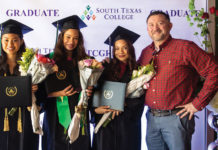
121,33
71,22
13,26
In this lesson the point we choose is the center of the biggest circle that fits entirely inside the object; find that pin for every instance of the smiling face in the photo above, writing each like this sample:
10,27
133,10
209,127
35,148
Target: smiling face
121,50
71,39
158,28
11,43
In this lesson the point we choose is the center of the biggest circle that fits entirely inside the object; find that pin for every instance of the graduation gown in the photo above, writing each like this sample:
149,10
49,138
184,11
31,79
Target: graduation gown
55,138
124,131
12,139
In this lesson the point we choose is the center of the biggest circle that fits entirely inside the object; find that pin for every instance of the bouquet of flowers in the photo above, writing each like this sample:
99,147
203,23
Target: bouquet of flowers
90,71
38,66
139,82
135,88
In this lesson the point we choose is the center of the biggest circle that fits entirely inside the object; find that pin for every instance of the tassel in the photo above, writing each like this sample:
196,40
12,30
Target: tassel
6,122
19,122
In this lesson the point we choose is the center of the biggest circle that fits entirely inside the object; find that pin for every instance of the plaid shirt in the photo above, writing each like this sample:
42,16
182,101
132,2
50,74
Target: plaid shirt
178,65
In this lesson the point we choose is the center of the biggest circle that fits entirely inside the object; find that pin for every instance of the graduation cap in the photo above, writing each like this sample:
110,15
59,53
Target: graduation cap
71,22
121,33
13,26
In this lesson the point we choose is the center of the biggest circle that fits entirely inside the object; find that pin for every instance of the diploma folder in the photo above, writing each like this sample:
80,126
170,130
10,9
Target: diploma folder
110,94
54,83
15,91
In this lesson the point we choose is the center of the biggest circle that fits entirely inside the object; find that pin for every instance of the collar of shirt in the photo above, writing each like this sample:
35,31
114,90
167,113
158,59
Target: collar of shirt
152,46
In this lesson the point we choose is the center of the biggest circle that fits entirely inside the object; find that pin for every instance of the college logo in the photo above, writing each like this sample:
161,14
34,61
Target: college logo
88,14
108,94
11,91
61,75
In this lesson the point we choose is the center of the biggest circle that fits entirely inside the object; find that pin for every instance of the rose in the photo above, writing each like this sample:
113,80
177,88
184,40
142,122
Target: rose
43,59
212,10
216,12
87,62
205,15
96,64
92,63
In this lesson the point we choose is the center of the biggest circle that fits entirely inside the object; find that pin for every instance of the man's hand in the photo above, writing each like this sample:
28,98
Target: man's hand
187,109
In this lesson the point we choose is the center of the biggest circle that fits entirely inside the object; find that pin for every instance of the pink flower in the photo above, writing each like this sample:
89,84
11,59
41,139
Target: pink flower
146,85
205,15
88,62
212,10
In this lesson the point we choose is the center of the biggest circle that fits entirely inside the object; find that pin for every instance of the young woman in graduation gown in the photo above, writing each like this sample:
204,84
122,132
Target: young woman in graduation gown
68,51
12,138
124,131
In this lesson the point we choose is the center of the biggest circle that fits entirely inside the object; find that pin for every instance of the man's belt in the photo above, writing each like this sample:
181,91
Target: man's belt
161,113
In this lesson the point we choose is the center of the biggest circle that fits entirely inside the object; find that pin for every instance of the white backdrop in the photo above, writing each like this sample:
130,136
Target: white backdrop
104,17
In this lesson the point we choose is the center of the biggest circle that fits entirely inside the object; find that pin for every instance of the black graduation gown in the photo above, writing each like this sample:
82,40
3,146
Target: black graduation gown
13,140
124,132
54,137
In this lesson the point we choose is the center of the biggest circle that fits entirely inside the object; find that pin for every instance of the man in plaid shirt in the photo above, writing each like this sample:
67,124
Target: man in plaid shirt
171,97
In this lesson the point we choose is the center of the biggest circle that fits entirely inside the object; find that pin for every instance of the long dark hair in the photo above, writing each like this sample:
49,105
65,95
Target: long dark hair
3,57
60,51
131,62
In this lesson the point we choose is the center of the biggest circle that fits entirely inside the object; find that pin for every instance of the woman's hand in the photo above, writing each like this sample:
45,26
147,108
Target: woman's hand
55,68
115,113
102,109
34,88
68,91
89,91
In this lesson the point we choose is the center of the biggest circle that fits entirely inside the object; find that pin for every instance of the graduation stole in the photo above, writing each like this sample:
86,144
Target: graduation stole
11,113
63,108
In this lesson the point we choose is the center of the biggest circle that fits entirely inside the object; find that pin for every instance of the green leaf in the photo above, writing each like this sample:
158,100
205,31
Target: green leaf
191,24
193,12
196,19
203,34
199,25
196,33
188,18
191,4
200,20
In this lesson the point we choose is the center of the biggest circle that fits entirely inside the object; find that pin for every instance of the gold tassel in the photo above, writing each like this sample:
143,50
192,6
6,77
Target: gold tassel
19,122
6,122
